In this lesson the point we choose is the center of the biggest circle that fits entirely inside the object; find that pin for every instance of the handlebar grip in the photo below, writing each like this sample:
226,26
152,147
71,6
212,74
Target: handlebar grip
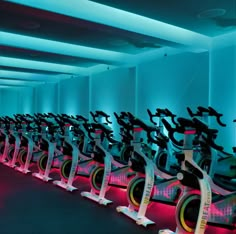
213,144
199,112
218,116
202,109
151,116
190,112
171,132
80,117
93,116
105,115
170,114
102,113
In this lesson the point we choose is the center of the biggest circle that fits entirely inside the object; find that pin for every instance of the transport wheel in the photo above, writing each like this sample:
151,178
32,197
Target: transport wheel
42,162
65,169
135,192
96,179
22,156
10,153
187,212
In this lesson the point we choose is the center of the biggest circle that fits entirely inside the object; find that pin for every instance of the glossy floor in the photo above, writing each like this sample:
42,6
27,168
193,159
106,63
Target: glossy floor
30,206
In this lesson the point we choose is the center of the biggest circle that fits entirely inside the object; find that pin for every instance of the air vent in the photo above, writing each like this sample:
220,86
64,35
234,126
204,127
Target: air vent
211,13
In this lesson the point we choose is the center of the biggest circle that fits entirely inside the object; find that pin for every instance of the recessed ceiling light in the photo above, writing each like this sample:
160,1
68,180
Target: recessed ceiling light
211,13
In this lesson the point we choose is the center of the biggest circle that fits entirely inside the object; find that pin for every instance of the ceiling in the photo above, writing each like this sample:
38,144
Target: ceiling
46,41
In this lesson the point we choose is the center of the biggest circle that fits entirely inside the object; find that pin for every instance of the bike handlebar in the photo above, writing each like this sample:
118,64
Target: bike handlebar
100,113
209,111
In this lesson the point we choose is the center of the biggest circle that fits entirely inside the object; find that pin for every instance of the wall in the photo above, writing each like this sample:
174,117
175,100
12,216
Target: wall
26,100
45,98
73,96
113,91
173,82
222,92
9,101
16,100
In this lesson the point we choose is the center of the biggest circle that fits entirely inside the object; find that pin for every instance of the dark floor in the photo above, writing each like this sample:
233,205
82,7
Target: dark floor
30,206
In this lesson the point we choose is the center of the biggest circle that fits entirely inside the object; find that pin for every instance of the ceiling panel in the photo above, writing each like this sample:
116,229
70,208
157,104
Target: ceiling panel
48,25
209,17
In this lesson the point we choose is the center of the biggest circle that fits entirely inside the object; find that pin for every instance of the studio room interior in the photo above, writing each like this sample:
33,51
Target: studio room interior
117,116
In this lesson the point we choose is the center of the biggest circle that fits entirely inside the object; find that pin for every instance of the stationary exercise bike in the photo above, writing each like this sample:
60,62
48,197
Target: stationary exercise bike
4,137
12,144
210,153
109,171
150,183
81,164
54,157
165,149
203,201
32,149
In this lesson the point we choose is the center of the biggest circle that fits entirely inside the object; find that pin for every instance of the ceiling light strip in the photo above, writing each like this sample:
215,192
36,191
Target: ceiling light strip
27,42
29,64
32,76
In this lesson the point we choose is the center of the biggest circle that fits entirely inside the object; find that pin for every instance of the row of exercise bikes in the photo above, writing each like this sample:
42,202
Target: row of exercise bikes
169,160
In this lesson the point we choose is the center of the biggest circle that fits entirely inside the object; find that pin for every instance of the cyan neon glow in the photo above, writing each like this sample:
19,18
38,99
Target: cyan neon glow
31,76
9,87
14,62
17,40
99,13
19,82
224,40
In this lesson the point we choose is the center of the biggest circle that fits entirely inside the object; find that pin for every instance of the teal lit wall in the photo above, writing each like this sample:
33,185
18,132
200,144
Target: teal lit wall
9,101
26,100
113,91
45,98
73,96
222,92
16,100
173,82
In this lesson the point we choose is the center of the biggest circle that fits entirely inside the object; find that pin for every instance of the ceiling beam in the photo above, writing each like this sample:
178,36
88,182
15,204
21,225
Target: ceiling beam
28,76
44,66
12,82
